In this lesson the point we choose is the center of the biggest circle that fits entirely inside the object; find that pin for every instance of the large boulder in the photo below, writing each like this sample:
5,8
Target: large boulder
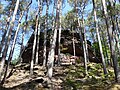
66,47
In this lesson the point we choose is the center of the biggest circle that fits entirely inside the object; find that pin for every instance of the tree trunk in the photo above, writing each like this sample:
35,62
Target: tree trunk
38,34
81,38
12,48
98,36
45,34
23,34
38,38
4,35
105,47
8,39
35,40
6,30
111,41
13,45
3,39
52,52
73,42
59,34
117,23
114,25
85,40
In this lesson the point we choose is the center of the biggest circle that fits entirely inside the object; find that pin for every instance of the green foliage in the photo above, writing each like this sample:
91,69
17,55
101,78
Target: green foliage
95,47
78,61
95,79
71,85
119,60
14,62
117,7
113,10
106,49
94,69
69,19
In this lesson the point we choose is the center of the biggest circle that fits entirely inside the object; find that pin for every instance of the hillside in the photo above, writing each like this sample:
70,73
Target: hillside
64,78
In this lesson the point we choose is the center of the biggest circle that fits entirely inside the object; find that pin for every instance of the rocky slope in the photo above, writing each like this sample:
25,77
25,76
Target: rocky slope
64,78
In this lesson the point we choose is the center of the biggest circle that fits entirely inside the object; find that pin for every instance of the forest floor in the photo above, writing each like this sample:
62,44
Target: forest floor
64,78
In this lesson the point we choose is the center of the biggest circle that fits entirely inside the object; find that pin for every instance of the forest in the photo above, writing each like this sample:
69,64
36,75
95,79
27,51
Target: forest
59,44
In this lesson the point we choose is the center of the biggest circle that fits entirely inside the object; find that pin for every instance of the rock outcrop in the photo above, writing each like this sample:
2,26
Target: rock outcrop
66,47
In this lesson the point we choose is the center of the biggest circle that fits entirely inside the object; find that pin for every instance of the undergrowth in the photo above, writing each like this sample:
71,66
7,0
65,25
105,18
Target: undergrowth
76,78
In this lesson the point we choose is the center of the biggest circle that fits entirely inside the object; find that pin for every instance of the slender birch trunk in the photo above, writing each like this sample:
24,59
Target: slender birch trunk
98,36
35,40
117,23
105,48
6,30
53,45
3,40
59,33
23,35
13,46
117,33
4,35
81,38
83,48
85,40
111,41
45,34
53,22
53,25
38,35
114,25
8,39
73,40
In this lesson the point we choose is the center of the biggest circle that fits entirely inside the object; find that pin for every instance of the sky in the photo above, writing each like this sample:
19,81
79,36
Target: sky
65,9
34,7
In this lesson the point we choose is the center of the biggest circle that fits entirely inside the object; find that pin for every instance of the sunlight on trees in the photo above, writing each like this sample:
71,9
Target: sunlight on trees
82,44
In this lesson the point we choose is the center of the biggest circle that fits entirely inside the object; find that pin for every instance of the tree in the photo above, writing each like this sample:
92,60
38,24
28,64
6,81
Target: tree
59,33
52,52
8,13
115,27
9,37
105,46
38,34
111,41
82,10
35,40
14,42
81,37
45,33
23,36
98,36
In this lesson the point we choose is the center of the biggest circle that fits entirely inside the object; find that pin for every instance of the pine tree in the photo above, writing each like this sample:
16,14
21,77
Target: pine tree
45,33
111,40
8,39
13,44
53,44
98,36
35,40
38,34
